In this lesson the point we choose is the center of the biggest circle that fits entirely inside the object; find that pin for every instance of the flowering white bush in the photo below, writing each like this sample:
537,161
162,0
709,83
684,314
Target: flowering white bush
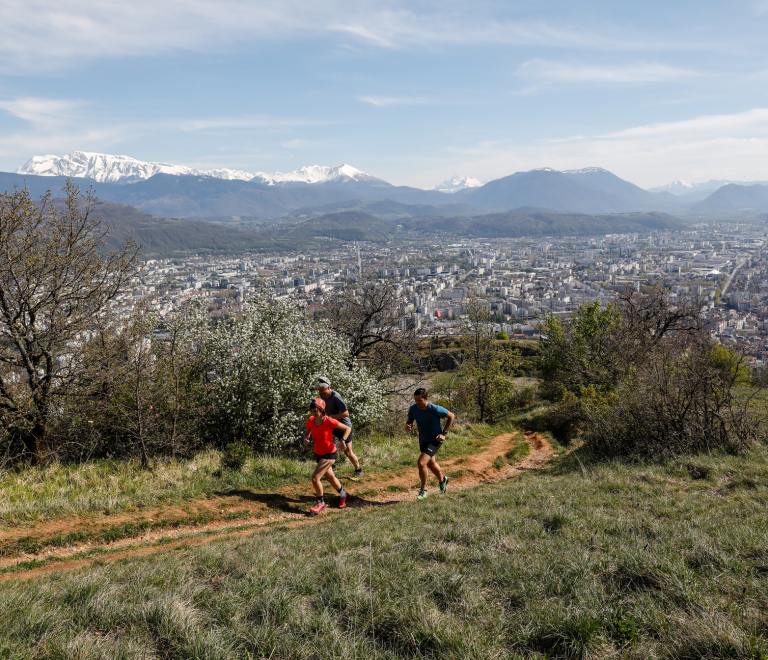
264,364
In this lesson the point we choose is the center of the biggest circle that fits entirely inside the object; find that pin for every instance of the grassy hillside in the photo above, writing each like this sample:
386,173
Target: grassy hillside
662,560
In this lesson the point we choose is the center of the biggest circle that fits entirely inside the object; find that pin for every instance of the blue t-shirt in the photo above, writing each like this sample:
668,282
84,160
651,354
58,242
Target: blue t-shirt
428,421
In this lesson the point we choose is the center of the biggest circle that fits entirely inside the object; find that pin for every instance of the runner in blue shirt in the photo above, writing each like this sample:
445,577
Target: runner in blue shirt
431,436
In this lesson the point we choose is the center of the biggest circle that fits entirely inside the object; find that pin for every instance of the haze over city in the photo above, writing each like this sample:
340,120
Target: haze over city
412,93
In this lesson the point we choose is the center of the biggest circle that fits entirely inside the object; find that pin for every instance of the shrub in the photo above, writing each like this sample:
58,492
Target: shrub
563,420
262,366
643,377
235,456
523,397
680,401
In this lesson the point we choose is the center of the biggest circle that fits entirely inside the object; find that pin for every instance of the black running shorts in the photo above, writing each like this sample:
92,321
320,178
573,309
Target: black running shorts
338,433
327,457
430,448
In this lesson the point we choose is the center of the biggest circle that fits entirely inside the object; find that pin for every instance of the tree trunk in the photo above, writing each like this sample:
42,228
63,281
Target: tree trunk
35,444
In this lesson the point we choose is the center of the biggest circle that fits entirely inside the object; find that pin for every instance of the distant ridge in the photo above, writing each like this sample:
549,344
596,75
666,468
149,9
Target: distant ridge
734,199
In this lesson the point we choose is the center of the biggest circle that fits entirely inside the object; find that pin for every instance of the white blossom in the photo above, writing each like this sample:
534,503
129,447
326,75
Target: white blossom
264,364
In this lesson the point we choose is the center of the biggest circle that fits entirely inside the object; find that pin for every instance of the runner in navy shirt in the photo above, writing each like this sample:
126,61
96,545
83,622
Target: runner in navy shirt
336,408
428,417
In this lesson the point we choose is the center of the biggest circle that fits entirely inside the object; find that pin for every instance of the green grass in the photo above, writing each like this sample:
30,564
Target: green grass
518,452
653,560
39,493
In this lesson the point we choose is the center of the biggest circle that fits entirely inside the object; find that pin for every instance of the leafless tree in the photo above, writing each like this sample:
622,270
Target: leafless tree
55,279
374,319
653,314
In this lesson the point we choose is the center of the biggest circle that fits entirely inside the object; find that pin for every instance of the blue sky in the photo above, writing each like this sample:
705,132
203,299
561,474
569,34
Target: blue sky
412,92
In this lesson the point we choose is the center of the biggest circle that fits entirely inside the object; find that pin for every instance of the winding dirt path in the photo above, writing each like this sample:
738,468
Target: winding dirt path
254,511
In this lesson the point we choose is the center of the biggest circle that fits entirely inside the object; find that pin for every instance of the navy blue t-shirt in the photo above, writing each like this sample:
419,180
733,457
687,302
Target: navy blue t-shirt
428,421
334,405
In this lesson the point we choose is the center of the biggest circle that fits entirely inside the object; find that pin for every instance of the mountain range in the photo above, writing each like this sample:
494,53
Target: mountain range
683,189
123,169
181,192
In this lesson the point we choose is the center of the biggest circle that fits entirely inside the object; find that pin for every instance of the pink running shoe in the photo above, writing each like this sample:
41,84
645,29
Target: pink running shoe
318,508
343,501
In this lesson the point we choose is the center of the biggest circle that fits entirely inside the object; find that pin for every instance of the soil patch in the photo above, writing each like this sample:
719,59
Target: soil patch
238,513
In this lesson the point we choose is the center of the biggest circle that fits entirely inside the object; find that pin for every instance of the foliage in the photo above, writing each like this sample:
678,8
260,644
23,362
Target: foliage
680,400
54,281
235,456
262,366
649,563
485,388
137,390
730,365
580,353
644,377
523,397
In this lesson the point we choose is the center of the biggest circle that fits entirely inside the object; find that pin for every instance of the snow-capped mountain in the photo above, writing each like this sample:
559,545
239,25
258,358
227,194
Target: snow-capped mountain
317,174
123,169
100,167
457,183
683,188
583,170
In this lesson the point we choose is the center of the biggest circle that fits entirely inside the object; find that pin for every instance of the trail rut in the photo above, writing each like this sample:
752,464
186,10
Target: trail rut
257,510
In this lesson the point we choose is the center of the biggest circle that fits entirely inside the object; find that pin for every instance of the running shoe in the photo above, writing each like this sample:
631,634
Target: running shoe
357,474
318,508
343,501
422,495
444,484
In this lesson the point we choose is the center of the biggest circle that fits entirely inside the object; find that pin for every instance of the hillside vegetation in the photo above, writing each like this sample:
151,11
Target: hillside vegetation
657,560
164,237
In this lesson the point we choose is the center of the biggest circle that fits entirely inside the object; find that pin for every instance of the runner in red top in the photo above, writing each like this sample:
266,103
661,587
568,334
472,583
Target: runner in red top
320,428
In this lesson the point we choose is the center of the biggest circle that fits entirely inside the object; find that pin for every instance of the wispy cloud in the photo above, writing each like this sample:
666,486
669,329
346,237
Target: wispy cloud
39,34
744,124
37,110
546,72
695,149
246,121
395,100
395,28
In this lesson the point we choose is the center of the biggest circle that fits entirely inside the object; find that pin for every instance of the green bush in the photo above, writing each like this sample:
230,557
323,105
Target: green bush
563,420
522,398
235,456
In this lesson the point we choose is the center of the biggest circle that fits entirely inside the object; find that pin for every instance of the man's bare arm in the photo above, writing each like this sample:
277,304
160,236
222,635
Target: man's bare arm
450,416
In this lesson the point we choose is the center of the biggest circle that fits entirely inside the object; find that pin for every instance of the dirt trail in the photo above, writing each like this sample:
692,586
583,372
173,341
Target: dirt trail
256,511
